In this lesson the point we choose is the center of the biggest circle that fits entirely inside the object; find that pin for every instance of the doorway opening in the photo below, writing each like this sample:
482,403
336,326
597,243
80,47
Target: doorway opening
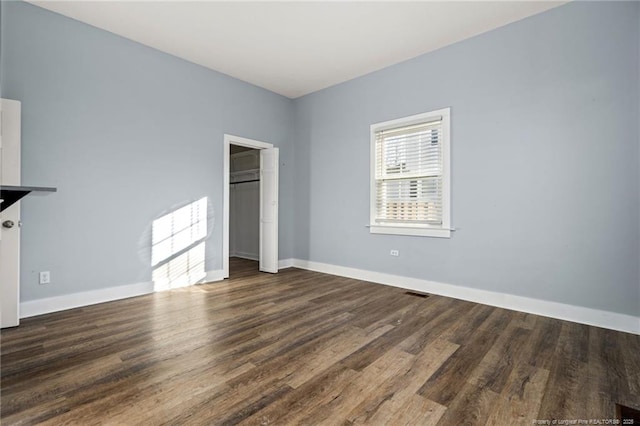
250,204
244,208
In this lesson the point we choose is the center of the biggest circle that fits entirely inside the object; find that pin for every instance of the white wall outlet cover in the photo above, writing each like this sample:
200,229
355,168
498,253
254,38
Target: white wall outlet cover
45,277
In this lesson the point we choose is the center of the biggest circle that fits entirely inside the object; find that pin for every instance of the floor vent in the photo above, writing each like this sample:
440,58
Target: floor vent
416,294
627,415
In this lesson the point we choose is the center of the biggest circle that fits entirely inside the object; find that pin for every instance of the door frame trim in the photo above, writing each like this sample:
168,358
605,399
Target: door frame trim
226,169
11,130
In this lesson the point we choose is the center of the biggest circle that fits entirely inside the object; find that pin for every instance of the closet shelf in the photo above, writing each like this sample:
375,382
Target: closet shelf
244,176
240,172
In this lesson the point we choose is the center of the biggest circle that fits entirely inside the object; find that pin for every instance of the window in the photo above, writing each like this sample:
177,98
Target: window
410,192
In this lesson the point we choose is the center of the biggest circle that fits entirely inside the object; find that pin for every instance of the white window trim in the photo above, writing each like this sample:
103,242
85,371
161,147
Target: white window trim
443,231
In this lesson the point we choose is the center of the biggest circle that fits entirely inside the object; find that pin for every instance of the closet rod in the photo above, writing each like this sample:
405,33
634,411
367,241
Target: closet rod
246,181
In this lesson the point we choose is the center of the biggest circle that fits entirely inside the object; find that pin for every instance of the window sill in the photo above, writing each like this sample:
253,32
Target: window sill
405,230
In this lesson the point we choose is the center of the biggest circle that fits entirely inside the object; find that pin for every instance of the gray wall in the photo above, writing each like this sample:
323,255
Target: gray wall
126,133
638,123
545,140
545,163
1,37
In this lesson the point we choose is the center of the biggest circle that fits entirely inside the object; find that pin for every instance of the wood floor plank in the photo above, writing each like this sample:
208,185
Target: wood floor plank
472,405
467,323
393,394
418,411
58,385
568,379
445,383
438,318
496,366
301,347
319,390
542,345
601,399
336,350
630,345
365,386
519,402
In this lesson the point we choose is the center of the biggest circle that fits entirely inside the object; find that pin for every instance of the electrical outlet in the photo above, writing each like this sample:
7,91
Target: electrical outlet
45,277
394,253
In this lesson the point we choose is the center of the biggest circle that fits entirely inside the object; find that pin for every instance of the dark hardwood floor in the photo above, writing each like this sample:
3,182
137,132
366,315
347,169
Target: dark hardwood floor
302,347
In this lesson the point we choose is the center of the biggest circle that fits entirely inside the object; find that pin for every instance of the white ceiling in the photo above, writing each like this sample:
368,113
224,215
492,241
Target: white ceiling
296,47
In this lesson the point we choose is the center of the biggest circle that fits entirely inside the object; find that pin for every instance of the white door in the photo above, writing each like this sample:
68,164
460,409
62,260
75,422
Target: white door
269,210
10,236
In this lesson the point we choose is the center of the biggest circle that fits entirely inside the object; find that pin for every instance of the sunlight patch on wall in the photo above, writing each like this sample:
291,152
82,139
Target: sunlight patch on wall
178,248
181,271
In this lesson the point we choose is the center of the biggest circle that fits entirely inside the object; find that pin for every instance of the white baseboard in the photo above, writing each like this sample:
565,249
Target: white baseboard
47,305
243,255
282,263
579,314
285,263
216,275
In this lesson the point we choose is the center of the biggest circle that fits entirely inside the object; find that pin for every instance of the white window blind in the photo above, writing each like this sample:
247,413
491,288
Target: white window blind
409,173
